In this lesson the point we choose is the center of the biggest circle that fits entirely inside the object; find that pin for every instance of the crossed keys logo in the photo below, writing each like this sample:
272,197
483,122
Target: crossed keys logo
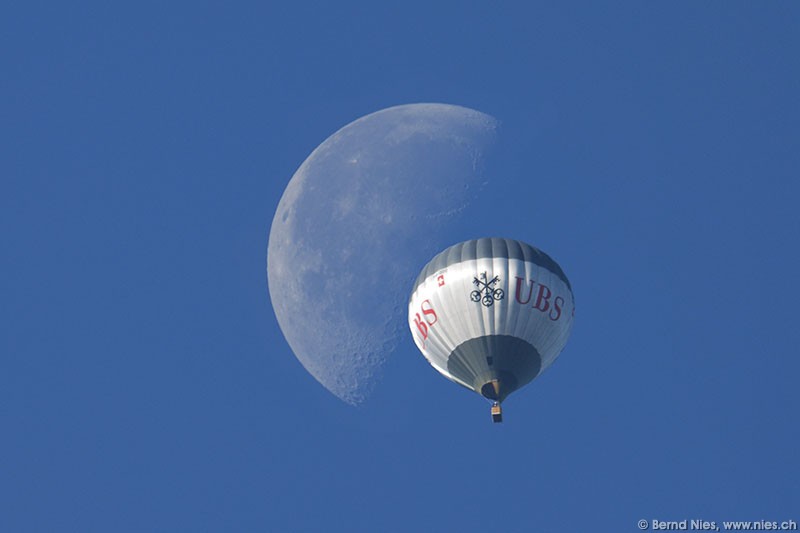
485,292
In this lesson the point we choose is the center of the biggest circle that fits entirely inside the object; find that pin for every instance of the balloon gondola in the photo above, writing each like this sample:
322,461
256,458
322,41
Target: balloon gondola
491,314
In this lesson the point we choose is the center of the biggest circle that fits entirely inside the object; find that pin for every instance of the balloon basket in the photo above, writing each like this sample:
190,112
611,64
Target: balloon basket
497,413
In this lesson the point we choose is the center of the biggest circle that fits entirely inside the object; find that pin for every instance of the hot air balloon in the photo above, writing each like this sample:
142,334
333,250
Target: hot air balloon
491,314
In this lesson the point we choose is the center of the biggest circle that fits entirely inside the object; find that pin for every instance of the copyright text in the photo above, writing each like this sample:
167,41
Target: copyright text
711,525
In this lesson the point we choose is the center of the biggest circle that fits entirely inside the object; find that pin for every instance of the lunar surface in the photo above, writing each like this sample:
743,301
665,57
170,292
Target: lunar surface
364,212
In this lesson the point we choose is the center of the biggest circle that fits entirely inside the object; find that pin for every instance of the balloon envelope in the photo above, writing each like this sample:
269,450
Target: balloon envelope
491,314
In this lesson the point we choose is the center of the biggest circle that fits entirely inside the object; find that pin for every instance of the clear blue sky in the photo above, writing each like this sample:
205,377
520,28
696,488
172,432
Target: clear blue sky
144,382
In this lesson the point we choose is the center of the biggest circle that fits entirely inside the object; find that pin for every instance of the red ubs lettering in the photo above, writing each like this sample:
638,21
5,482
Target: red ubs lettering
542,301
429,319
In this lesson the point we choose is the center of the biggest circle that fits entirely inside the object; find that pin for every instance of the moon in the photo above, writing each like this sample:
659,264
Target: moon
360,216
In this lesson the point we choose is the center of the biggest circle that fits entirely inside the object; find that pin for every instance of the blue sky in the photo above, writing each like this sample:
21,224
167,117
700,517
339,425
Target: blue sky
145,384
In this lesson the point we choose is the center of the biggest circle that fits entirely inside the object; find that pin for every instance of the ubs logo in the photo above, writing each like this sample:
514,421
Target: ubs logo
485,292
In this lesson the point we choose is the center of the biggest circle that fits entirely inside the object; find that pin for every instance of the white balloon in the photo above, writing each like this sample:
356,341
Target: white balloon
361,214
491,314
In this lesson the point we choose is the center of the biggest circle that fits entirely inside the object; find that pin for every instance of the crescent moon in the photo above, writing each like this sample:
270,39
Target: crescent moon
359,217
